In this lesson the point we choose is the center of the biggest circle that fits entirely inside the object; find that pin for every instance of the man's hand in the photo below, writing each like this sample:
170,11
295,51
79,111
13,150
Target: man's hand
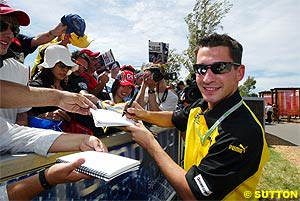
92,143
59,29
135,112
56,115
103,77
148,80
141,135
74,102
89,96
65,172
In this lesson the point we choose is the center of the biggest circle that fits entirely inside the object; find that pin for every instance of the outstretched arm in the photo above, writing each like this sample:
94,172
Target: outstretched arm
47,37
38,97
79,142
30,187
173,172
159,118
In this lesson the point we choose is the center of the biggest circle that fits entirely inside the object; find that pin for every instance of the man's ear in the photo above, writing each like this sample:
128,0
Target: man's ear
241,72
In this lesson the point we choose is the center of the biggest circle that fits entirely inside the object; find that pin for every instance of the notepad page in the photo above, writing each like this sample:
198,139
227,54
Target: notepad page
109,118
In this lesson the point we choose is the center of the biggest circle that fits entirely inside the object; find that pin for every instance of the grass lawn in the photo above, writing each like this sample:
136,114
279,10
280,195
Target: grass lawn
279,174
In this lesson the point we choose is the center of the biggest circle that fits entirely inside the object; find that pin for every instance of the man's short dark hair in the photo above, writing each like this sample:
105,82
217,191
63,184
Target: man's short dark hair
214,39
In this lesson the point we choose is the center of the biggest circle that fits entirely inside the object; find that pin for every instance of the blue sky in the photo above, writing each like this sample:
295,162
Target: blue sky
268,30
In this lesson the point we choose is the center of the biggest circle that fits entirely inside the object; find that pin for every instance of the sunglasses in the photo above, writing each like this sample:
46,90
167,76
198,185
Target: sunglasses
216,68
63,66
14,28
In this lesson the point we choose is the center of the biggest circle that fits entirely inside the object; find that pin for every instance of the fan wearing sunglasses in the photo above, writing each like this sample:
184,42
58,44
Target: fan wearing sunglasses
225,146
23,45
55,69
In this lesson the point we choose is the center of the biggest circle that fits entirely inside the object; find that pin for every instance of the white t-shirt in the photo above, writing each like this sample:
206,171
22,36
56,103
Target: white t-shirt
269,108
14,138
13,71
168,105
109,84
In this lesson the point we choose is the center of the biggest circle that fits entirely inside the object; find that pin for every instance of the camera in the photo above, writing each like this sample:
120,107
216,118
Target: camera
170,76
158,75
192,92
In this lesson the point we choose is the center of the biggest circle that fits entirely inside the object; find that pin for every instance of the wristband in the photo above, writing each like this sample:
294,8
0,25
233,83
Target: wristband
151,91
43,180
50,32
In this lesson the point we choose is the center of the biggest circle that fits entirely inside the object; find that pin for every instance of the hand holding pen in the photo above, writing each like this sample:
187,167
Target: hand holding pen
129,104
99,104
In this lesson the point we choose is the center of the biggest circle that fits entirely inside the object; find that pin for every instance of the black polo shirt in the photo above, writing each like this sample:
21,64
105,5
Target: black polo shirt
229,162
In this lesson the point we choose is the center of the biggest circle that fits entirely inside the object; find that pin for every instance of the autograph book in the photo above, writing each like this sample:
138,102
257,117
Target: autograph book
106,166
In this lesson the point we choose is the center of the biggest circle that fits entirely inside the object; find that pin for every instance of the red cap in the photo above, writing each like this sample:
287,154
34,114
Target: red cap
22,17
90,53
126,78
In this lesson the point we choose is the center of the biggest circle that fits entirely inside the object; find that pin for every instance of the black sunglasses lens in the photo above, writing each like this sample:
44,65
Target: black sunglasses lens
3,25
221,68
15,30
202,69
63,66
216,68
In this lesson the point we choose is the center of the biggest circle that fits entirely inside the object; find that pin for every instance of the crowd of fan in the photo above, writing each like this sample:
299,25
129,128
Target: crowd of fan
83,71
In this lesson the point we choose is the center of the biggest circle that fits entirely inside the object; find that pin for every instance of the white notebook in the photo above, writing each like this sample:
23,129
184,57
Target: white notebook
102,165
105,118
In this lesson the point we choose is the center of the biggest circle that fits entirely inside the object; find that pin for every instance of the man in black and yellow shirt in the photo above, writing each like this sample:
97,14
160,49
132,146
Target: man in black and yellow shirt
225,146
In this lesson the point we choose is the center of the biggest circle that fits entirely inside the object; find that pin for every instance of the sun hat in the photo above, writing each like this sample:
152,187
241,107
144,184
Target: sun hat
126,78
55,54
22,17
90,53
74,24
81,42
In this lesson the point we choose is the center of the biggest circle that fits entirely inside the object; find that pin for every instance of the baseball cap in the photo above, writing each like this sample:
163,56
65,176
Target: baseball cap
78,41
90,53
55,54
126,78
22,17
74,24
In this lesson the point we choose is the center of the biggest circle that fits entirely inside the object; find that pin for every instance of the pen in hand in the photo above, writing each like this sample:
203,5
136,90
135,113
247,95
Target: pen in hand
129,104
99,104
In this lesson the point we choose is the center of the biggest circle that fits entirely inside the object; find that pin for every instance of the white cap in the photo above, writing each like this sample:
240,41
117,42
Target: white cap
56,53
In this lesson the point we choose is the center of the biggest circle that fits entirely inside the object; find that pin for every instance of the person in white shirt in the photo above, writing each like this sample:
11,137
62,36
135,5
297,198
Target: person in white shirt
154,94
269,111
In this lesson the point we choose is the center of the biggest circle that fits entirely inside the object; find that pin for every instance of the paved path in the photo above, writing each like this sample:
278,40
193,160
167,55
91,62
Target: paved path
287,131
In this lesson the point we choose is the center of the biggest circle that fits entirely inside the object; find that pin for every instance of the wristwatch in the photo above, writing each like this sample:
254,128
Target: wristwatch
43,180
151,91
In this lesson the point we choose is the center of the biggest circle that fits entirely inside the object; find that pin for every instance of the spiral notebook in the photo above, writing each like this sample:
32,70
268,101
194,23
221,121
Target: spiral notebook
102,165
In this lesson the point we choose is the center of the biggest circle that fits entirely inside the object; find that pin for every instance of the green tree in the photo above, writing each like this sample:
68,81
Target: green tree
247,87
205,19
173,65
